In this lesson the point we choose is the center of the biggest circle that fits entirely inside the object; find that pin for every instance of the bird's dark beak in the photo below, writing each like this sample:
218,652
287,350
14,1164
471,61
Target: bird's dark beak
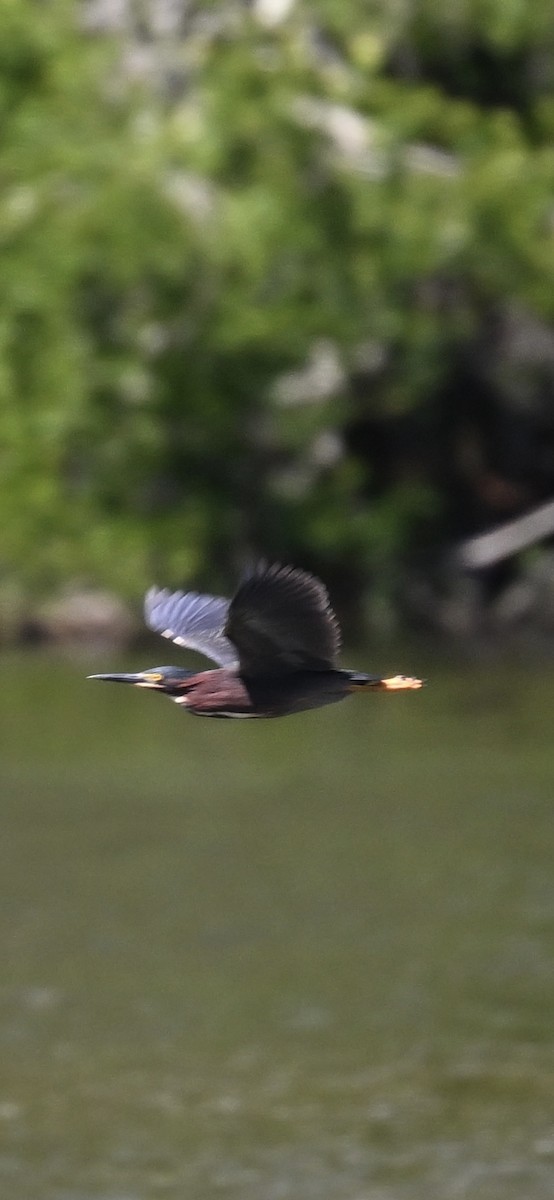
141,679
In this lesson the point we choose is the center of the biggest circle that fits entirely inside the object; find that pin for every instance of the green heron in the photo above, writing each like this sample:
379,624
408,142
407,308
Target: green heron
276,644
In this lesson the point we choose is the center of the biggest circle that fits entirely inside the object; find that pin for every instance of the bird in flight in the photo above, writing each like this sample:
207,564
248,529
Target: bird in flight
276,646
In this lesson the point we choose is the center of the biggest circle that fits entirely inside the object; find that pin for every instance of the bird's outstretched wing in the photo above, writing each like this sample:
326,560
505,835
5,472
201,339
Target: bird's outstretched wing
280,620
191,620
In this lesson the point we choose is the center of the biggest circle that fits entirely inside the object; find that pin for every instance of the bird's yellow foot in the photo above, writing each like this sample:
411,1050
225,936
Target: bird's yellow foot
399,683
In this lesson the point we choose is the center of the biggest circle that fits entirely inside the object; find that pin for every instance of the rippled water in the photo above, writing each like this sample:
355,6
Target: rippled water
309,958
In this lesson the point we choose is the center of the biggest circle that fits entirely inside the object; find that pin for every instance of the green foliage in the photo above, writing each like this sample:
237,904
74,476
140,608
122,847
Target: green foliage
169,262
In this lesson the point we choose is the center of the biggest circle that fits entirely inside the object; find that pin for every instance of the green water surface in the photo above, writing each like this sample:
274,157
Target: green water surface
308,959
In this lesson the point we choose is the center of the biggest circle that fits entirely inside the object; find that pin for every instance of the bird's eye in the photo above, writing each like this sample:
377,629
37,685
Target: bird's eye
153,676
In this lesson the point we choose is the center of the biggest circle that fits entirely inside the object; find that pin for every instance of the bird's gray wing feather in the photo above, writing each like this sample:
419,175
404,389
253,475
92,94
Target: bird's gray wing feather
280,620
191,620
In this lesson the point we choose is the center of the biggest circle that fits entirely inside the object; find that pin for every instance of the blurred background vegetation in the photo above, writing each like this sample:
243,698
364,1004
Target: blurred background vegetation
277,278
